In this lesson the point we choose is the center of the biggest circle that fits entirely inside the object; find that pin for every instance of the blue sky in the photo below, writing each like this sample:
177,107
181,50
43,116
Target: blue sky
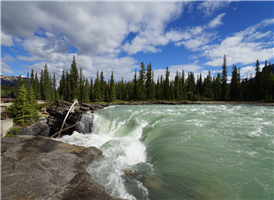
117,36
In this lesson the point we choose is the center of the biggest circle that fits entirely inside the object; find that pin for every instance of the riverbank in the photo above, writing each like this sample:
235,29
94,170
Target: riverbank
100,105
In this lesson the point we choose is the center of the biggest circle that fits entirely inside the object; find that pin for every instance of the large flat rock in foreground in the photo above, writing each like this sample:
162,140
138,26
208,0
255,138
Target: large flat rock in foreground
35,167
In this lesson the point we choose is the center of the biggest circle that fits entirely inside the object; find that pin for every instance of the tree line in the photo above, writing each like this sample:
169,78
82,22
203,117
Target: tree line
74,85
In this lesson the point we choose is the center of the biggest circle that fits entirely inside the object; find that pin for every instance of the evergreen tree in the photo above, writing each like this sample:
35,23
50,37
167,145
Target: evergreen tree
81,86
149,82
31,78
141,82
46,86
91,90
166,88
217,87
153,87
234,83
224,79
258,82
135,82
42,84
74,80
112,94
54,97
102,87
97,91
177,87
68,90
183,90
22,109
18,85
158,89
86,92
62,86
36,88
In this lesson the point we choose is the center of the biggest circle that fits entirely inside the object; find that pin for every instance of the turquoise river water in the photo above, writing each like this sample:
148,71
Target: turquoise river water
183,151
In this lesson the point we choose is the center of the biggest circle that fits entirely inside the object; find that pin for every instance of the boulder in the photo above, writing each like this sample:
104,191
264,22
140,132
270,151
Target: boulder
35,129
35,167
57,112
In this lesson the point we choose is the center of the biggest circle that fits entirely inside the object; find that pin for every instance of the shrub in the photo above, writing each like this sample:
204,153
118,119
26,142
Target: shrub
13,132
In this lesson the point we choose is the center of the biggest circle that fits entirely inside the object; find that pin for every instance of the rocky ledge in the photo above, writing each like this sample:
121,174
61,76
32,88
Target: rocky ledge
58,110
35,167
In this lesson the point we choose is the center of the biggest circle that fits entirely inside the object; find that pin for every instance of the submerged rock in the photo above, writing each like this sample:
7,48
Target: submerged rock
42,168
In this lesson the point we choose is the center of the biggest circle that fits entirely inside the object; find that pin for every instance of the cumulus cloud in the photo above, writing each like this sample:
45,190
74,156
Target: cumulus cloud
96,29
247,71
242,47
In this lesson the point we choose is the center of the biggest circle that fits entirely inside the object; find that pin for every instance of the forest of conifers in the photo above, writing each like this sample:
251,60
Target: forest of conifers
74,85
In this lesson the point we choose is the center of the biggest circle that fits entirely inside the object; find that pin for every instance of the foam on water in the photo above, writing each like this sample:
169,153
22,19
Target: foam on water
183,151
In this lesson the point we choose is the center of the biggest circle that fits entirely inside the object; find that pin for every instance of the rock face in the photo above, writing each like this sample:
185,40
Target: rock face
35,129
42,168
57,112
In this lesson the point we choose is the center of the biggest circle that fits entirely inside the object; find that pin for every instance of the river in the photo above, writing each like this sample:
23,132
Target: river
183,151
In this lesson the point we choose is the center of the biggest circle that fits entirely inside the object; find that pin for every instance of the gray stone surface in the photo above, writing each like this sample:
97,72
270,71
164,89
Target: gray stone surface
42,168
35,129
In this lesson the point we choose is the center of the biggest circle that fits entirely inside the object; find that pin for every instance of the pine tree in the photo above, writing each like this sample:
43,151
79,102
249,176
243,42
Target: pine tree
74,80
62,86
234,83
86,91
91,90
149,82
81,86
224,79
135,82
166,87
46,86
68,89
31,78
36,88
177,87
112,95
183,89
97,91
141,82
22,109
258,82
102,87
42,84
54,97
18,85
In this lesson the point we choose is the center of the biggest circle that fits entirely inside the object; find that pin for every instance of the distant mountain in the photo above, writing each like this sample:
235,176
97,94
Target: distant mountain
9,80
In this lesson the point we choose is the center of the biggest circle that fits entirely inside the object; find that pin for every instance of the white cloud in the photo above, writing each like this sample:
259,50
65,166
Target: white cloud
247,71
121,67
242,47
6,40
7,58
193,67
209,7
5,68
216,21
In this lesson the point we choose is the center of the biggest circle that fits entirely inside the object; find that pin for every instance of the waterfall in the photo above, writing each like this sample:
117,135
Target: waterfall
86,123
